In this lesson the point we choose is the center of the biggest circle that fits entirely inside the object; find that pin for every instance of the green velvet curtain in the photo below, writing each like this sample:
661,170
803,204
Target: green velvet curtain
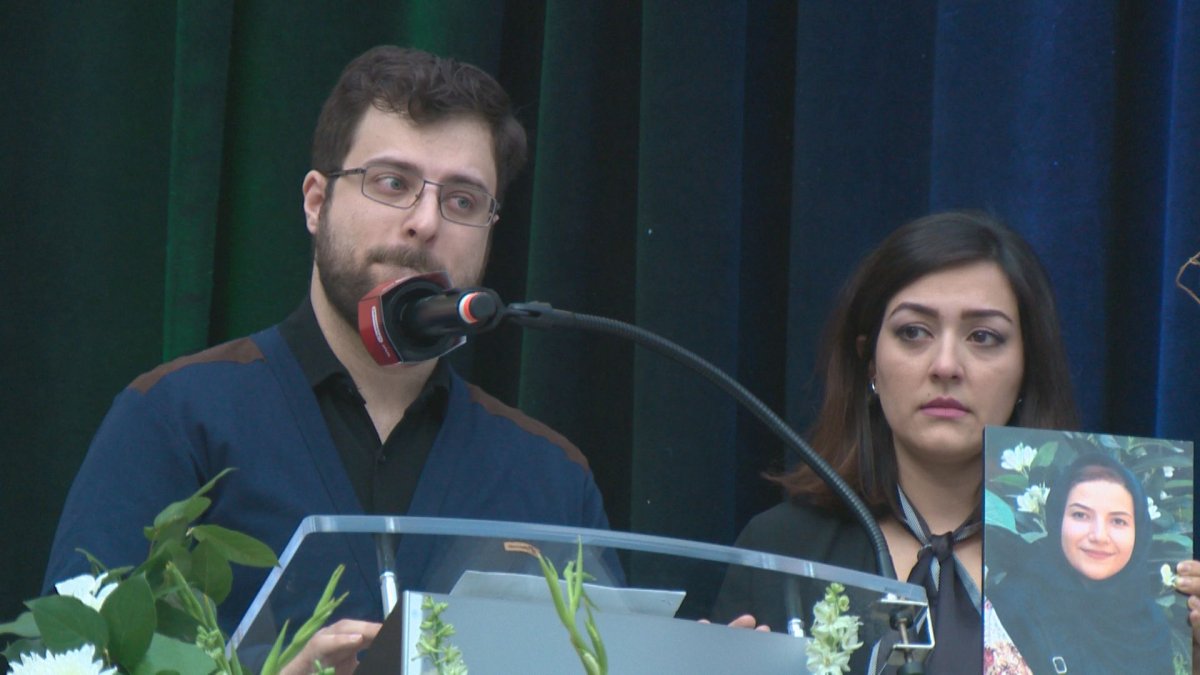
707,170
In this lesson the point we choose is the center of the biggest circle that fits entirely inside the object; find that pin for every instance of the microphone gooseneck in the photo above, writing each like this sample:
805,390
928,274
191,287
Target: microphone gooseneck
542,315
420,318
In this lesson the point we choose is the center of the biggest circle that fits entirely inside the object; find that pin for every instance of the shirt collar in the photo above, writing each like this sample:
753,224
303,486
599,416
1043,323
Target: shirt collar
318,362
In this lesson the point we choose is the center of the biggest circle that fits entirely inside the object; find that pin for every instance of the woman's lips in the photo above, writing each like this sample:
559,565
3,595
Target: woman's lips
946,408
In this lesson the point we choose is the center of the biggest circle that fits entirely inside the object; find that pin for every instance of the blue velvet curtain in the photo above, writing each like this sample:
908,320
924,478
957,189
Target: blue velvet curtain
708,170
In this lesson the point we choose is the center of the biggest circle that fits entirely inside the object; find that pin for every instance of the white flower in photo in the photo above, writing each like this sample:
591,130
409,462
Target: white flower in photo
1018,459
89,590
1168,576
1168,471
79,661
1153,508
1033,499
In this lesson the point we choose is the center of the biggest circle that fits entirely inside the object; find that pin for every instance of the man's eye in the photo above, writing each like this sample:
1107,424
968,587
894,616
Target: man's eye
461,202
393,183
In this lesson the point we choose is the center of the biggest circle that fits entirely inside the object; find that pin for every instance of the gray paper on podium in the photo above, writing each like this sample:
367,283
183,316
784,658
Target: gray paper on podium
649,595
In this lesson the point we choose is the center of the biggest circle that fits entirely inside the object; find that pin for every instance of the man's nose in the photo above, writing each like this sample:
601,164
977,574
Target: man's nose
423,219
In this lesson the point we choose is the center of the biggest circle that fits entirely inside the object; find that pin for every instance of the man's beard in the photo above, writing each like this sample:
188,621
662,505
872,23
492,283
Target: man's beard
345,281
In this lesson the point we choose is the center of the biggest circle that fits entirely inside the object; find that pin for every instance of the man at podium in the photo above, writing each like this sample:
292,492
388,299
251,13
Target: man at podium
411,155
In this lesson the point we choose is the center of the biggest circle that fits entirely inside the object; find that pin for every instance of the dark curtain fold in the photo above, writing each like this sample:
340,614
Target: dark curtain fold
708,170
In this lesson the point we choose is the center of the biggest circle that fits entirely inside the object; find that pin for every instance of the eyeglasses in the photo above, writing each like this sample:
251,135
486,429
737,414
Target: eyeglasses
1194,261
400,187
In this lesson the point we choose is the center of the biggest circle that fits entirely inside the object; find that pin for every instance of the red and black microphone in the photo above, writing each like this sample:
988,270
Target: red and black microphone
421,317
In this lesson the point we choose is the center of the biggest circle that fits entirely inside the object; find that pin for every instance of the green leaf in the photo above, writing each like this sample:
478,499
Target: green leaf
189,509
131,618
15,650
997,512
1045,454
1015,480
176,514
1185,542
161,553
235,546
1033,536
169,654
174,622
24,626
211,572
66,623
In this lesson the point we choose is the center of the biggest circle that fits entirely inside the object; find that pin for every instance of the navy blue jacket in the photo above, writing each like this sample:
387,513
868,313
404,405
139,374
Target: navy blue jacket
247,404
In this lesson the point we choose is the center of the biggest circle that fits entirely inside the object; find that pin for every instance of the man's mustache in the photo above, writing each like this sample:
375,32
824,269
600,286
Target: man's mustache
414,259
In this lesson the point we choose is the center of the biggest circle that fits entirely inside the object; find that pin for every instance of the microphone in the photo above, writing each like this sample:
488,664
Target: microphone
421,317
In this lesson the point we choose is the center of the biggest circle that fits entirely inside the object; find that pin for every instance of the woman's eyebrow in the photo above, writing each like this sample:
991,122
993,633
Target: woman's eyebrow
926,310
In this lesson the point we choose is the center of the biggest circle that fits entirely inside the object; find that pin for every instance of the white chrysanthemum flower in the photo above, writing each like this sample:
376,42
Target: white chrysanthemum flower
80,661
1018,459
1168,576
89,590
1168,471
1153,508
1033,499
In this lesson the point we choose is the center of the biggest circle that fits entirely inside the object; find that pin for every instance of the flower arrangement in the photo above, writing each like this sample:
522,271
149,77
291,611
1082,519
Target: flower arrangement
159,615
834,633
434,644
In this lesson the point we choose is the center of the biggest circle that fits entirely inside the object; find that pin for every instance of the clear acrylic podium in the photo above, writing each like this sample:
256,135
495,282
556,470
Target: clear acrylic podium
650,594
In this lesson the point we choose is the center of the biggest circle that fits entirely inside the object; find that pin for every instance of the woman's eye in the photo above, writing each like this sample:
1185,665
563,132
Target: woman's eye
1077,515
911,332
987,338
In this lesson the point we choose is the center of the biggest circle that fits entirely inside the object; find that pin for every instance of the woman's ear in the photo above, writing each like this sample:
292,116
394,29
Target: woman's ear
860,346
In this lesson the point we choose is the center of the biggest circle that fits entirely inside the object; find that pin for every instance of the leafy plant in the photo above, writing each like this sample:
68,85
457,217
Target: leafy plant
435,644
591,654
158,616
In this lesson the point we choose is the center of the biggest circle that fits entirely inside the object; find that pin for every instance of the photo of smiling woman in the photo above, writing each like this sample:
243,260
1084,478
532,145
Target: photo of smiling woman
1082,598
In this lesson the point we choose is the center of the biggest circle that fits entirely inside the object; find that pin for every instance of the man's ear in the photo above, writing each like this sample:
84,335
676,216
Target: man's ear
313,188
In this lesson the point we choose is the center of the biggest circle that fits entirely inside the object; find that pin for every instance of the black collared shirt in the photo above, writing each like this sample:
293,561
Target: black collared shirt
384,474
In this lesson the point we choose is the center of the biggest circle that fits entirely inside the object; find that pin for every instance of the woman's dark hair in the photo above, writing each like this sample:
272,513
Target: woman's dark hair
851,432
425,88
1093,466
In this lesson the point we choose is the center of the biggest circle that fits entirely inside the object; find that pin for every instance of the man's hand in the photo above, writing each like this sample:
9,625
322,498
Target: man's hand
335,646
745,621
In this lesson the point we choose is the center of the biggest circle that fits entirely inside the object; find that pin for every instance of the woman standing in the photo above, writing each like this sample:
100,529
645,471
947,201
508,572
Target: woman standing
948,326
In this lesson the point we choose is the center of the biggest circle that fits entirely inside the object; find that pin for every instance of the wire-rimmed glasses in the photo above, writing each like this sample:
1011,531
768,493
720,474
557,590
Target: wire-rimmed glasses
401,187
1194,261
